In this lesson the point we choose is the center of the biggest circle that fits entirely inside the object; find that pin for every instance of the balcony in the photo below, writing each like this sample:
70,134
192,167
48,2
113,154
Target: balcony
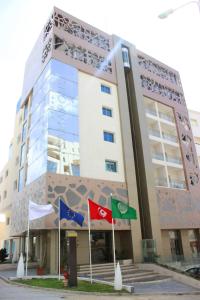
174,160
158,156
177,184
166,117
154,132
169,137
151,111
162,181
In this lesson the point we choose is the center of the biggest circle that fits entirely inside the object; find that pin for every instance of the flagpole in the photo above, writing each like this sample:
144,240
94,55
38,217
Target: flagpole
27,242
59,243
113,234
89,243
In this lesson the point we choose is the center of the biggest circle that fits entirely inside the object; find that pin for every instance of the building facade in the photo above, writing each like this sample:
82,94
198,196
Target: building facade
99,117
195,124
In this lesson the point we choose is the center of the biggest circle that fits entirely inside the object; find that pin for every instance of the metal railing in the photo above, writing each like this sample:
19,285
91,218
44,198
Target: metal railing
158,156
150,111
166,117
169,137
154,132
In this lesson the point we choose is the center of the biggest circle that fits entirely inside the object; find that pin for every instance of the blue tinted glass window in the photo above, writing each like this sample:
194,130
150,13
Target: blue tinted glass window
24,132
51,166
75,170
21,180
25,111
23,153
38,148
62,122
107,111
108,136
37,168
63,103
105,89
111,166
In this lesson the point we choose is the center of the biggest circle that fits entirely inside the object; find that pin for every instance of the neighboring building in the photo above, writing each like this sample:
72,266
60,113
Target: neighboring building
195,124
97,116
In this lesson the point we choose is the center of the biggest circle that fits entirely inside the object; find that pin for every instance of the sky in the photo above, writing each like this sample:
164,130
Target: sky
174,41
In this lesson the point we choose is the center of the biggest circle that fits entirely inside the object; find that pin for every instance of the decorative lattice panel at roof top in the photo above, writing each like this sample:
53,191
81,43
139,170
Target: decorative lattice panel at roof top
84,32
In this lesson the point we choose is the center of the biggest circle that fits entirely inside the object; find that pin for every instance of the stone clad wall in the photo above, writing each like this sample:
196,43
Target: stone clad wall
75,192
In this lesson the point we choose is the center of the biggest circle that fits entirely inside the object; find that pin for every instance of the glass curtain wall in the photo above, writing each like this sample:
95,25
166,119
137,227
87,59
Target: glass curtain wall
54,130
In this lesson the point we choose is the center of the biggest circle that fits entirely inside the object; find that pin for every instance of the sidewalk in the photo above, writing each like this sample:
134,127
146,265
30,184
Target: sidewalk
167,287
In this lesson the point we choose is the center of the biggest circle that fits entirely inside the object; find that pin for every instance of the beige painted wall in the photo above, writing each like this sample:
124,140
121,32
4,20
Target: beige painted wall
93,149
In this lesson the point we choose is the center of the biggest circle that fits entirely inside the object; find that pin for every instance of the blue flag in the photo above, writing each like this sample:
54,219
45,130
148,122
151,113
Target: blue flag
69,214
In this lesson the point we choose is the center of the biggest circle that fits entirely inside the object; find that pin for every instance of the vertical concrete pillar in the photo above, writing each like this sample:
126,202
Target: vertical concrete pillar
185,244
53,251
37,248
166,246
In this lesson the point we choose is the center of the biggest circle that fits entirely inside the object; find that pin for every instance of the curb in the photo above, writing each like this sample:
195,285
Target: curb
96,293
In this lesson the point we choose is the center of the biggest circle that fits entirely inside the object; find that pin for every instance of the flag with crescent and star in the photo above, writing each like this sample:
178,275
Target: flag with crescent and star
98,212
69,214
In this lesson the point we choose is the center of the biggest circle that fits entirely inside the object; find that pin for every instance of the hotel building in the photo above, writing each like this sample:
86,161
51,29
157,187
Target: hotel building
99,117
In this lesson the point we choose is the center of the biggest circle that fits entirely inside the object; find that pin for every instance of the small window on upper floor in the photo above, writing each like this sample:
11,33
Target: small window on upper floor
107,111
7,221
105,89
108,136
111,166
194,122
6,173
1,179
15,185
4,194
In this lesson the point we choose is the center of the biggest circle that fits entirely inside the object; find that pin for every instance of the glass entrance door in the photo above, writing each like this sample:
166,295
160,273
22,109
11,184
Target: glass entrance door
101,247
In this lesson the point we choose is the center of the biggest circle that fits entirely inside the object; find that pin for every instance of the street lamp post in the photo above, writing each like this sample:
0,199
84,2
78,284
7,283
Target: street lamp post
170,11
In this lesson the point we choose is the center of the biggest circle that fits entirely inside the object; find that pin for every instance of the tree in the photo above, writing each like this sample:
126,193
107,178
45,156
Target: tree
3,254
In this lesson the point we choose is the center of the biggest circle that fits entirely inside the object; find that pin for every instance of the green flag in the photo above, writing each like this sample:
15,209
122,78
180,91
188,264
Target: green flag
121,210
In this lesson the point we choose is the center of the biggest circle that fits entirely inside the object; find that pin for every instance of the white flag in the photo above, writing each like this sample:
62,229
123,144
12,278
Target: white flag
37,211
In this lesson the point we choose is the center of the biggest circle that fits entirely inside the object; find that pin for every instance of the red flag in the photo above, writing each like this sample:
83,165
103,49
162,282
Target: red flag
98,212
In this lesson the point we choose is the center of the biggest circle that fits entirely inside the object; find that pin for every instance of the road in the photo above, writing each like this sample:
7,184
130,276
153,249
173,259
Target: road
14,292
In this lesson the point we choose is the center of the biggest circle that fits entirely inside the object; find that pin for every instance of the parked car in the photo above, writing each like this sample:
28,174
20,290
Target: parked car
193,271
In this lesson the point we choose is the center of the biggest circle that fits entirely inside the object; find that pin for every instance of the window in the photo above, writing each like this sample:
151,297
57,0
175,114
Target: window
6,174
1,179
15,185
22,156
107,111
17,160
4,194
108,136
7,221
25,111
194,122
21,180
24,130
111,165
105,89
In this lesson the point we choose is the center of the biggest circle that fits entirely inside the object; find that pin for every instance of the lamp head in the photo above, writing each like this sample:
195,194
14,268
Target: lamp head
166,13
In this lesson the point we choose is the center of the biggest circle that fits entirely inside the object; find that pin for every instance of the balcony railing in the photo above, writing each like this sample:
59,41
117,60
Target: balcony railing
177,184
150,111
166,117
154,132
174,160
169,137
161,181
158,156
